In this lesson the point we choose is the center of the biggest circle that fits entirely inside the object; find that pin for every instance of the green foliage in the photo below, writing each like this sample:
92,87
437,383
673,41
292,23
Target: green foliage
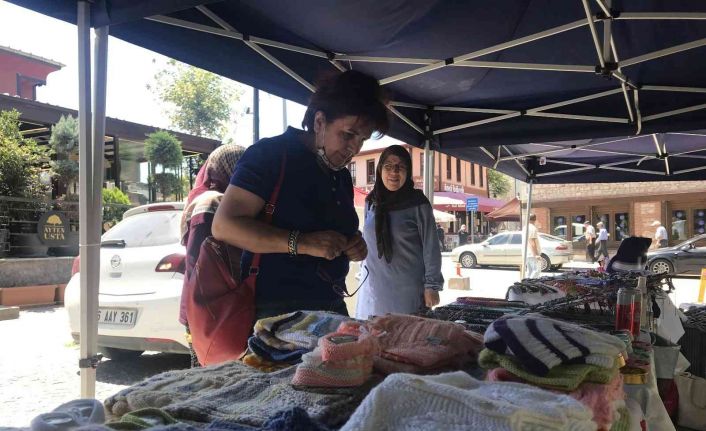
20,160
201,101
167,183
64,144
498,184
115,203
163,148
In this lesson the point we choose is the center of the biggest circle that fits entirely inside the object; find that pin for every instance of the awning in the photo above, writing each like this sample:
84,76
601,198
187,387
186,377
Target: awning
508,212
454,201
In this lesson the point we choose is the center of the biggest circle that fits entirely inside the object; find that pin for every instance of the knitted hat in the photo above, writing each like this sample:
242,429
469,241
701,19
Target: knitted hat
305,330
541,343
271,354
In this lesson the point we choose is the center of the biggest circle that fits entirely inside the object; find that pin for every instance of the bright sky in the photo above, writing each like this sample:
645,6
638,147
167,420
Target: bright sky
130,69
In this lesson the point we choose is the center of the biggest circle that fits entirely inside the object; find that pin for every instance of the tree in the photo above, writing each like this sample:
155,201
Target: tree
115,203
64,145
20,160
498,184
164,149
199,102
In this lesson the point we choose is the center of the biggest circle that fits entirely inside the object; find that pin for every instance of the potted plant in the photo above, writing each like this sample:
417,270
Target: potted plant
21,163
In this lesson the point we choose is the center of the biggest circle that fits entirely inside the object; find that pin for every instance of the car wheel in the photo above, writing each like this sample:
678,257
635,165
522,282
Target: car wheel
116,354
546,263
468,260
661,266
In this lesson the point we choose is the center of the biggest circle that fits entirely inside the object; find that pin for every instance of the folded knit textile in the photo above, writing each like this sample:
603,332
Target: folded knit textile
339,360
599,397
234,392
272,354
457,401
426,343
541,343
562,377
297,330
294,419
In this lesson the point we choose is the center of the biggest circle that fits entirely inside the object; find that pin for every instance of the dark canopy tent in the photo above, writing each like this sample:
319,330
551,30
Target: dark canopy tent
483,74
471,79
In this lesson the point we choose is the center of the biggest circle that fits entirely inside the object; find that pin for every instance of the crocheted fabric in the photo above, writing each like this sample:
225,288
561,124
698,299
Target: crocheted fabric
563,377
236,393
456,401
426,343
541,343
623,423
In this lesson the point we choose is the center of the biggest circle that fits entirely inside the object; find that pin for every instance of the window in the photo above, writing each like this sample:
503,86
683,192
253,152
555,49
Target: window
622,226
605,218
699,221
480,172
371,170
498,239
559,227
448,167
473,174
516,238
679,225
421,164
458,169
351,168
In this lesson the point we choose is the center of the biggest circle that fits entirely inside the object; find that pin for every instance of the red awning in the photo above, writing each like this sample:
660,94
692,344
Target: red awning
508,212
453,201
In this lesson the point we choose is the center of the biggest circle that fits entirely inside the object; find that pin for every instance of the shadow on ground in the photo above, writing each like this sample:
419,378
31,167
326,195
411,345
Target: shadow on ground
129,372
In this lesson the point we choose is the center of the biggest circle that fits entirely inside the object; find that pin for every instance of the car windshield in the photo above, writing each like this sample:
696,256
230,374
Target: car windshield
147,229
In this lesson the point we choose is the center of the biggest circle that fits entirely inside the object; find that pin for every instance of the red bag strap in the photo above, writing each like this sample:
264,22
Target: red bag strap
269,210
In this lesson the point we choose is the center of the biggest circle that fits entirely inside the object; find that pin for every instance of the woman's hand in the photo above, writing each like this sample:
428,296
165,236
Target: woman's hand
431,297
327,244
356,249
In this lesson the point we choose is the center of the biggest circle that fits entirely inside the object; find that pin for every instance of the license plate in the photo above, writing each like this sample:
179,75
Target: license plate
117,316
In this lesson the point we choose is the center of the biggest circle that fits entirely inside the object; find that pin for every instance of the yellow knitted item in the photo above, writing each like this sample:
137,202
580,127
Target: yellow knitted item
257,362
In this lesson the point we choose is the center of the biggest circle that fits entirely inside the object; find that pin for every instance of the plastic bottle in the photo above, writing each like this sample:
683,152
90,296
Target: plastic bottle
625,309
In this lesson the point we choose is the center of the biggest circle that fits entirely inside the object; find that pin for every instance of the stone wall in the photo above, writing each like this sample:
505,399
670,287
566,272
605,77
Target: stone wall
553,192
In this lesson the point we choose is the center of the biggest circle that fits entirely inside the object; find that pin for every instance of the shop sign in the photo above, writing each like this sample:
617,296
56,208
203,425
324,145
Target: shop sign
453,188
53,229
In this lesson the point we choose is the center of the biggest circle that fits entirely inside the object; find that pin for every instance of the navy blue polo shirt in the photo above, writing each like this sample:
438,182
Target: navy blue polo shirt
311,199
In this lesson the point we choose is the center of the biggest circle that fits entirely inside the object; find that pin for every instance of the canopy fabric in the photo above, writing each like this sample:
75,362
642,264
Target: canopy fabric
479,75
508,212
454,201
656,157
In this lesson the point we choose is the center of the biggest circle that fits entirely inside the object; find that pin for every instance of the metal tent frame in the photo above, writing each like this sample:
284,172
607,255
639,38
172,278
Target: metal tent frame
607,65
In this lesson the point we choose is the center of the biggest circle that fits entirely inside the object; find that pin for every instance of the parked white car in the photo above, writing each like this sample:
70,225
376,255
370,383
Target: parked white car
141,275
506,249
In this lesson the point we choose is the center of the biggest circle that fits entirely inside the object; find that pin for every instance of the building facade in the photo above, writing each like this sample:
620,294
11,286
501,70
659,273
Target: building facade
625,209
451,174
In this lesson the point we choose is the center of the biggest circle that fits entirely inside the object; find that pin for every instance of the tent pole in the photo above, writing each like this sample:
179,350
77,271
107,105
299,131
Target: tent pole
255,115
523,266
428,171
88,242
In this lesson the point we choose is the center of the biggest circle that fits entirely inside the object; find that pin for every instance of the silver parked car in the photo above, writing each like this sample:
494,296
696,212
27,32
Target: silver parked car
506,249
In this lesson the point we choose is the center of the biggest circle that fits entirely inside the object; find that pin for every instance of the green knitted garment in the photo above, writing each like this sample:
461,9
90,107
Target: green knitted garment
622,424
562,377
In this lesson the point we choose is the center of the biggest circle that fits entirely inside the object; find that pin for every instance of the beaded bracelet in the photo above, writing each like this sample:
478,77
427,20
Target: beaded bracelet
292,243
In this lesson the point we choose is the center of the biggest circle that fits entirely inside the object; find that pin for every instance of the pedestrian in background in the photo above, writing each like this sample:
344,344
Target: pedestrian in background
533,263
440,234
462,235
602,241
661,236
589,234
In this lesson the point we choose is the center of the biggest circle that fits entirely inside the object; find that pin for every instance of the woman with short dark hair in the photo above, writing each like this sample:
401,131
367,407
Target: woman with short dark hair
306,250
404,263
